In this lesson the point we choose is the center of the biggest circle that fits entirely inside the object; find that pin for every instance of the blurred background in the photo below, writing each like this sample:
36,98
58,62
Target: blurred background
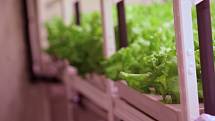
58,8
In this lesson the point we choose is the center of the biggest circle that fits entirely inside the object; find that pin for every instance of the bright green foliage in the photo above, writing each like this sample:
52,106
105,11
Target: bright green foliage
81,45
148,64
156,70
150,60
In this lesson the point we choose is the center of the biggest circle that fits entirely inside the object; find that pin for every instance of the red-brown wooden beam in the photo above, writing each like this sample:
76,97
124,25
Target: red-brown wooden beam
123,40
206,55
77,12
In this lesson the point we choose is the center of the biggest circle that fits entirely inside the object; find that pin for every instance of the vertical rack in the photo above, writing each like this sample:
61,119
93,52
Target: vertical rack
34,35
77,12
27,38
123,40
206,55
66,11
186,59
62,9
109,47
108,28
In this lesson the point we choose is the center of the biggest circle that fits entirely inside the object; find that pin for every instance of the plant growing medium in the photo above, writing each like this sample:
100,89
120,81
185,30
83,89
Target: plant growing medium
148,64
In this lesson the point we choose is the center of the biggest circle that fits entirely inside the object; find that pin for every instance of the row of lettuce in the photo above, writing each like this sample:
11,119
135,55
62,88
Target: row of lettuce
148,64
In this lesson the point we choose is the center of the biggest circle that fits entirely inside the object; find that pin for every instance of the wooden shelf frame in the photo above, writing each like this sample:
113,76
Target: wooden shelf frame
206,55
130,105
